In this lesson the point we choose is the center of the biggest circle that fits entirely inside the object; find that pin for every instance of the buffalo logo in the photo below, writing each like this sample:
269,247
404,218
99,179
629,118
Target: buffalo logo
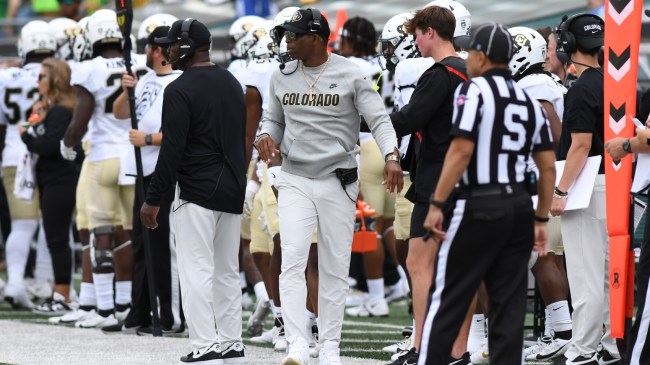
296,17
522,41
151,27
246,27
259,33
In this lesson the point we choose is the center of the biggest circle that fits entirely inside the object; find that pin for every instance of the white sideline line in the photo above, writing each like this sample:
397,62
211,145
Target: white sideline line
371,324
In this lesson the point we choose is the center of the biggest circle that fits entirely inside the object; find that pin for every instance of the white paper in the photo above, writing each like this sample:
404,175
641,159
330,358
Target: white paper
639,208
580,191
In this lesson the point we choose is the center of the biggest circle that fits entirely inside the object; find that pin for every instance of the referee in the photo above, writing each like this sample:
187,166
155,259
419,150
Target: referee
496,128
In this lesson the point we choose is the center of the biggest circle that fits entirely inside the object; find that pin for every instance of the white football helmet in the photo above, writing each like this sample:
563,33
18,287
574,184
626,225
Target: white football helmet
283,16
462,15
36,37
81,49
103,29
530,50
63,31
238,30
395,44
151,23
252,37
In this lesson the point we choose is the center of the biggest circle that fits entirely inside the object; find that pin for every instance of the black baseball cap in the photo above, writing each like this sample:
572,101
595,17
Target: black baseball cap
299,23
198,32
493,39
589,31
158,32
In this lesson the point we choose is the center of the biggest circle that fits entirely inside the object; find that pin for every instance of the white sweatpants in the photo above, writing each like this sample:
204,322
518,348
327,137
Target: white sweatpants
207,248
304,203
586,247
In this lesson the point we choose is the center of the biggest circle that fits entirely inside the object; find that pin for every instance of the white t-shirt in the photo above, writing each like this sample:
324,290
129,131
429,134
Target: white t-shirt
238,69
407,75
102,77
258,75
18,92
544,87
148,109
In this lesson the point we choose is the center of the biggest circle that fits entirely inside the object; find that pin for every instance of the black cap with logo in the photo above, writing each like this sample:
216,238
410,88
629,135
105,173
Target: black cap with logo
492,39
304,21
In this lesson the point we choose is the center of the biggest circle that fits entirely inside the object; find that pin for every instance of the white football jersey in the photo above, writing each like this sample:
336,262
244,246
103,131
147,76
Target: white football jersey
380,79
18,92
148,109
258,75
544,87
238,69
102,77
407,75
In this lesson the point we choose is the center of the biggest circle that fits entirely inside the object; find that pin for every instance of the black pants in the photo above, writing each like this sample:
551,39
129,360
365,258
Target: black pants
489,239
57,201
640,353
164,264
5,218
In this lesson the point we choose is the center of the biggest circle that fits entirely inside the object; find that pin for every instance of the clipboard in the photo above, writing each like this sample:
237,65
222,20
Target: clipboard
581,190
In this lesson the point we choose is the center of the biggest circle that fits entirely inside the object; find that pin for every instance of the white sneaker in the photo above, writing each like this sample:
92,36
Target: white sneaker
371,308
403,345
19,300
121,315
255,324
541,343
72,317
38,290
265,337
312,338
396,292
298,352
550,348
481,356
329,354
355,298
97,321
279,339
55,306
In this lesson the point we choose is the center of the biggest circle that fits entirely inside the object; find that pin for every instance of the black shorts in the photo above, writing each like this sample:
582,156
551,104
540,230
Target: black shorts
418,216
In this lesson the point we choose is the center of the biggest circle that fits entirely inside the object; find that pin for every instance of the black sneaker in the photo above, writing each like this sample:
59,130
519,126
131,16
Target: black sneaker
407,358
605,358
464,360
148,331
212,357
234,354
120,329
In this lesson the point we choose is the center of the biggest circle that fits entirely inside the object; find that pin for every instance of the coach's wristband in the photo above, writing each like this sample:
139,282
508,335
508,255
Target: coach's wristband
437,203
541,219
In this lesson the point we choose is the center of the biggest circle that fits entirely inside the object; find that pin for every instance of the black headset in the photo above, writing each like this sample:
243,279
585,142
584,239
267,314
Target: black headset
314,24
186,44
567,42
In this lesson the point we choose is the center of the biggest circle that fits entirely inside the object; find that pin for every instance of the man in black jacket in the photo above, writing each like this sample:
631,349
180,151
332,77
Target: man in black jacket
202,153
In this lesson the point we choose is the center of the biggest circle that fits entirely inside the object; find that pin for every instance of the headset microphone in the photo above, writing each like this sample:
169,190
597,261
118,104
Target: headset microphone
282,66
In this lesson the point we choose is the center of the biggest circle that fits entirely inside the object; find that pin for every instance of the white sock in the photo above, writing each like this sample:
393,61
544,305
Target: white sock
277,311
548,329
476,336
375,288
242,279
104,290
43,271
87,295
16,252
402,273
310,316
123,292
260,291
559,316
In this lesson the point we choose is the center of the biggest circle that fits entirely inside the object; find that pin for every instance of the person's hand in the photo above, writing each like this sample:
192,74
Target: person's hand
21,129
541,238
433,223
128,81
136,137
557,206
148,214
393,177
67,152
265,146
38,107
642,136
252,188
614,148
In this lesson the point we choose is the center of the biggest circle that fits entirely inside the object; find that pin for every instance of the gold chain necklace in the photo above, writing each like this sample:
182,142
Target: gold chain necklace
311,92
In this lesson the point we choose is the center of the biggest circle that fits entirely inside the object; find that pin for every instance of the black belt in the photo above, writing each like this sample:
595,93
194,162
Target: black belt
492,190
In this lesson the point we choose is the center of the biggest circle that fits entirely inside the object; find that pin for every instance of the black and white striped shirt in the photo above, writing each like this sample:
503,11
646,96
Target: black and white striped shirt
506,125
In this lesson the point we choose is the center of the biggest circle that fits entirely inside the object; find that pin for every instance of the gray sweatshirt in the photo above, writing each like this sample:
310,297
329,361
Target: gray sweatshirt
316,137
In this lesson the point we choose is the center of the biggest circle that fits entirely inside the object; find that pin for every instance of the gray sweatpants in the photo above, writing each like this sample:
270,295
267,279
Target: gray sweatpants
303,204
